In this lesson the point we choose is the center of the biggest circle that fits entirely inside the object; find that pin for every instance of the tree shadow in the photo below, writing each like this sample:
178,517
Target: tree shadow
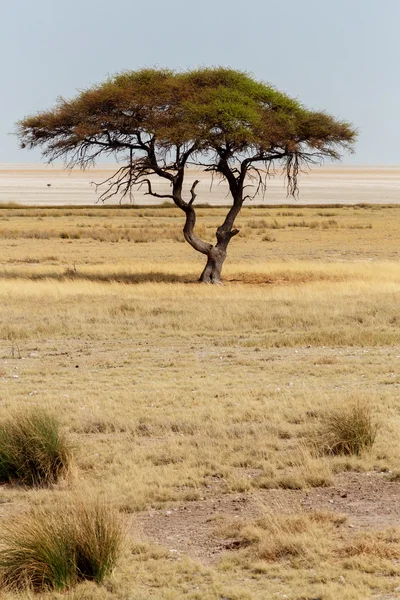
122,277
132,278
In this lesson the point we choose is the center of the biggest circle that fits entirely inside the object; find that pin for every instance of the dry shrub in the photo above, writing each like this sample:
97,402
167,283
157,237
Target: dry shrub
275,225
349,429
257,224
268,238
33,451
56,549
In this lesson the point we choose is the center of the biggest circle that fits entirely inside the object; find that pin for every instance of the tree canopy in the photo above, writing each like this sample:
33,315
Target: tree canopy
158,122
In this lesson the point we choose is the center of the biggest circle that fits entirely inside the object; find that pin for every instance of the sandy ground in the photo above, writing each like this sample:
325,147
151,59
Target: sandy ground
51,185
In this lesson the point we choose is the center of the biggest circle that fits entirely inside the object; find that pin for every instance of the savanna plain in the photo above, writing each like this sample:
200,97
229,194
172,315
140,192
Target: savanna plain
203,415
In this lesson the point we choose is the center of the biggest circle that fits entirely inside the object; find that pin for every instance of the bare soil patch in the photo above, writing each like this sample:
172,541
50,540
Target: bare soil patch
369,501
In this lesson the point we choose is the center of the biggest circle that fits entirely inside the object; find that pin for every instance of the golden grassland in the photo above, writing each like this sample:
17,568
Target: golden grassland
175,392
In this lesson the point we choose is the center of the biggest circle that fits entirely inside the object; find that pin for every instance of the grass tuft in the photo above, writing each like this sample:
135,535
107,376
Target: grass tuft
55,550
277,537
349,429
33,451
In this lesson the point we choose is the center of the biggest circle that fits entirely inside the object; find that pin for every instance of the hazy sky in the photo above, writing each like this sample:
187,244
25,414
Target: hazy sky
338,55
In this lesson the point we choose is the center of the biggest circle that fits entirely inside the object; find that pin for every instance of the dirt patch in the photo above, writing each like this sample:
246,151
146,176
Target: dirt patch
368,500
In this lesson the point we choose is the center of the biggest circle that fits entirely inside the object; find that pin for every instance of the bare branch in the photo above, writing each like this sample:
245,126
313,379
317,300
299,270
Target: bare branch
192,192
150,190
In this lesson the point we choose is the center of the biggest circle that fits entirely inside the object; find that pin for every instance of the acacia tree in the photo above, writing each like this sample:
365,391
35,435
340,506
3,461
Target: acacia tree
158,122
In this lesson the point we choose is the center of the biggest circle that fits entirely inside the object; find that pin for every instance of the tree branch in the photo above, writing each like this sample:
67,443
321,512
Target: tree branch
192,192
150,190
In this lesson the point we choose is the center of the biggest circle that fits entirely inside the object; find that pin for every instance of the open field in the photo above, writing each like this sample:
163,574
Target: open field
197,410
329,184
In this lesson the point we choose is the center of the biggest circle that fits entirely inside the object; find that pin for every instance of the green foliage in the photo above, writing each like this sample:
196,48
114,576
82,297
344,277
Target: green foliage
154,122
204,108
56,549
33,451
349,429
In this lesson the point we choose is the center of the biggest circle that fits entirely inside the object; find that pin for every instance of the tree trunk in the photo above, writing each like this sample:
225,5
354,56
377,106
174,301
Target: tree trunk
213,268
216,255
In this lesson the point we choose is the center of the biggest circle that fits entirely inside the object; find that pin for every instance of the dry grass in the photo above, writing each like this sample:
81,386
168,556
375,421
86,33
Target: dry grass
349,429
172,391
33,451
318,546
56,548
283,307
301,537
